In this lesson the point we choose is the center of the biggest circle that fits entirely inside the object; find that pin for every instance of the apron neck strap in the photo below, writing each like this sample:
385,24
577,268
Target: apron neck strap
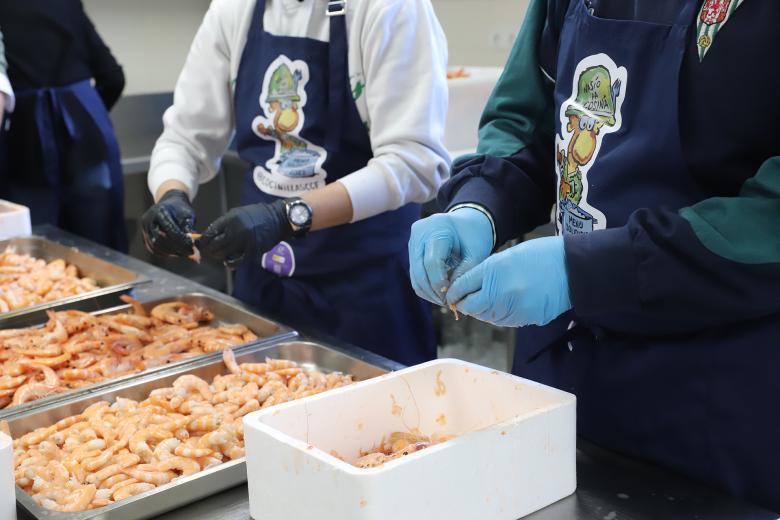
339,74
336,8
259,14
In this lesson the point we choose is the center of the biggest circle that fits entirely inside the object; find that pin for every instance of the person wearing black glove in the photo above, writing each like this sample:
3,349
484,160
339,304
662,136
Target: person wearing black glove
339,163
167,226
247,231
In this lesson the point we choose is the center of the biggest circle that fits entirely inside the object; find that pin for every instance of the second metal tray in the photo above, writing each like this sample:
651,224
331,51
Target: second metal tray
268,331
111,278
208,482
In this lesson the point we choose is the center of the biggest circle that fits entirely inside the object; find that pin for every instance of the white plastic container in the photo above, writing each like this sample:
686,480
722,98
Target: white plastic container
14,220
468,97
514,454
7,484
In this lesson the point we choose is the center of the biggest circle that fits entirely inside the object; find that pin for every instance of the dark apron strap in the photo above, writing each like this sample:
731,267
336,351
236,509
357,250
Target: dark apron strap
45,103
339,73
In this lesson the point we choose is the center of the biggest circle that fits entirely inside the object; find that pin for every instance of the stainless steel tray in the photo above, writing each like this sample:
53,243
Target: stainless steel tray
205,483
224,312
111,278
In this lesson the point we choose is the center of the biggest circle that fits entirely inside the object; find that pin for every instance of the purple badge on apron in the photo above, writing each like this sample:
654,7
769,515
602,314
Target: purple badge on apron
280,260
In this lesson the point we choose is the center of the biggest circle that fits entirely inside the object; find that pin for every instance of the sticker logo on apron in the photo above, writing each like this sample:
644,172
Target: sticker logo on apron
713,16
592,111
296,165
280,260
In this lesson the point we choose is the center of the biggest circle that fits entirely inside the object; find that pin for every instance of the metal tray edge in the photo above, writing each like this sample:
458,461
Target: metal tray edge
236,468
139,279
285,334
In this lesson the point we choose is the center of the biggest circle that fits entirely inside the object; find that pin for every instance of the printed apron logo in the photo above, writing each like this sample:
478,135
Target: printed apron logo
296,166
592,111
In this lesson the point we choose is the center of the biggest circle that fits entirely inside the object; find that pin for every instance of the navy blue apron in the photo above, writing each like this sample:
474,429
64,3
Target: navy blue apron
64,164
298,126
704,404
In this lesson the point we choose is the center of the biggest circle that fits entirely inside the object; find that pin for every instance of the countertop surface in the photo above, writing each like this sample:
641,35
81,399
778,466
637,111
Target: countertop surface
610,486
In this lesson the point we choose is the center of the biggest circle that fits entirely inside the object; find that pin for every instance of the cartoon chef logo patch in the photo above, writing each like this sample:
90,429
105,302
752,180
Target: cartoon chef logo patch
592,112
296,165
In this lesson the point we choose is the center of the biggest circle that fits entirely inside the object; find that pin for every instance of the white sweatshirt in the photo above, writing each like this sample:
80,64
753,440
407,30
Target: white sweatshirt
396,49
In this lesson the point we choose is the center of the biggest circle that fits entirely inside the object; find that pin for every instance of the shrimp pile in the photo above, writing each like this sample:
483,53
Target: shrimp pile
111,452
398,445
75,349
27,281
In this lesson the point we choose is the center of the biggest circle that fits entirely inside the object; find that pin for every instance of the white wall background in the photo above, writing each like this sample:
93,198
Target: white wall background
151,37
480,32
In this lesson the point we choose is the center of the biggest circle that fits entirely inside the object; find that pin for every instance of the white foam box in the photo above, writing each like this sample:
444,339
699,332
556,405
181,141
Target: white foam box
514,454
7,484
14,220
467,99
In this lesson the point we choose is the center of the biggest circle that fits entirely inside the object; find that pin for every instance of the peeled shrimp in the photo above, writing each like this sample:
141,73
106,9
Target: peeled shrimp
132,490
184,465
150,474
190,383
79,500
229,358
130,447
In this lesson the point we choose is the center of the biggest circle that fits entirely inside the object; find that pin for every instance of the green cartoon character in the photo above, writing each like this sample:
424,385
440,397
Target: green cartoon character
593,109
282,100
284,105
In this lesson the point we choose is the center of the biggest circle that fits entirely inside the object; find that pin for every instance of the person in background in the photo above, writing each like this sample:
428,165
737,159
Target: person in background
343,127
63,158
7,98
7,101
648,127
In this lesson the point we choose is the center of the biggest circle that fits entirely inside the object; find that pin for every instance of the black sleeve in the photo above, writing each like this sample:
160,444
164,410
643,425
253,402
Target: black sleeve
518,190
108,74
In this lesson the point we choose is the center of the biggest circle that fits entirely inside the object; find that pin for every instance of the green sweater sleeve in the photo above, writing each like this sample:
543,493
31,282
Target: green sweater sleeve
3,63
521,102
512,175
742,229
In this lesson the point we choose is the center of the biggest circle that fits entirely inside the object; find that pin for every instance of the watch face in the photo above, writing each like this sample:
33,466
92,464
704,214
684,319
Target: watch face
299,215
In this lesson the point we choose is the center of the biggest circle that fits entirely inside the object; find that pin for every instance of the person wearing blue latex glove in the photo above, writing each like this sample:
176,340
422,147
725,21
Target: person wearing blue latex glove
444,246
657,304
524,285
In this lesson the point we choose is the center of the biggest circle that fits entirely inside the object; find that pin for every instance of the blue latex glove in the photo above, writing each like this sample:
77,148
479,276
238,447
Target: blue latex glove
444,246
524,285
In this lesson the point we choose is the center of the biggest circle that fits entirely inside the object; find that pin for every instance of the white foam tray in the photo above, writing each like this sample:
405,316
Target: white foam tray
467,99
514,455
14,220
7,484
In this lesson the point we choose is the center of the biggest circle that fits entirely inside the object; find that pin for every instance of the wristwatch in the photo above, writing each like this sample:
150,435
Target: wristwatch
299,215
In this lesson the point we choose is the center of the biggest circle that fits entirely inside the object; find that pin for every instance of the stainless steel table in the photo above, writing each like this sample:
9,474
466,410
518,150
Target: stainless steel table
611,487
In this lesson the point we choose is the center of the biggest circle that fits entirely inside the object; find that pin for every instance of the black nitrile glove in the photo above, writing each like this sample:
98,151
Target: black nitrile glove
246,233
167,225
